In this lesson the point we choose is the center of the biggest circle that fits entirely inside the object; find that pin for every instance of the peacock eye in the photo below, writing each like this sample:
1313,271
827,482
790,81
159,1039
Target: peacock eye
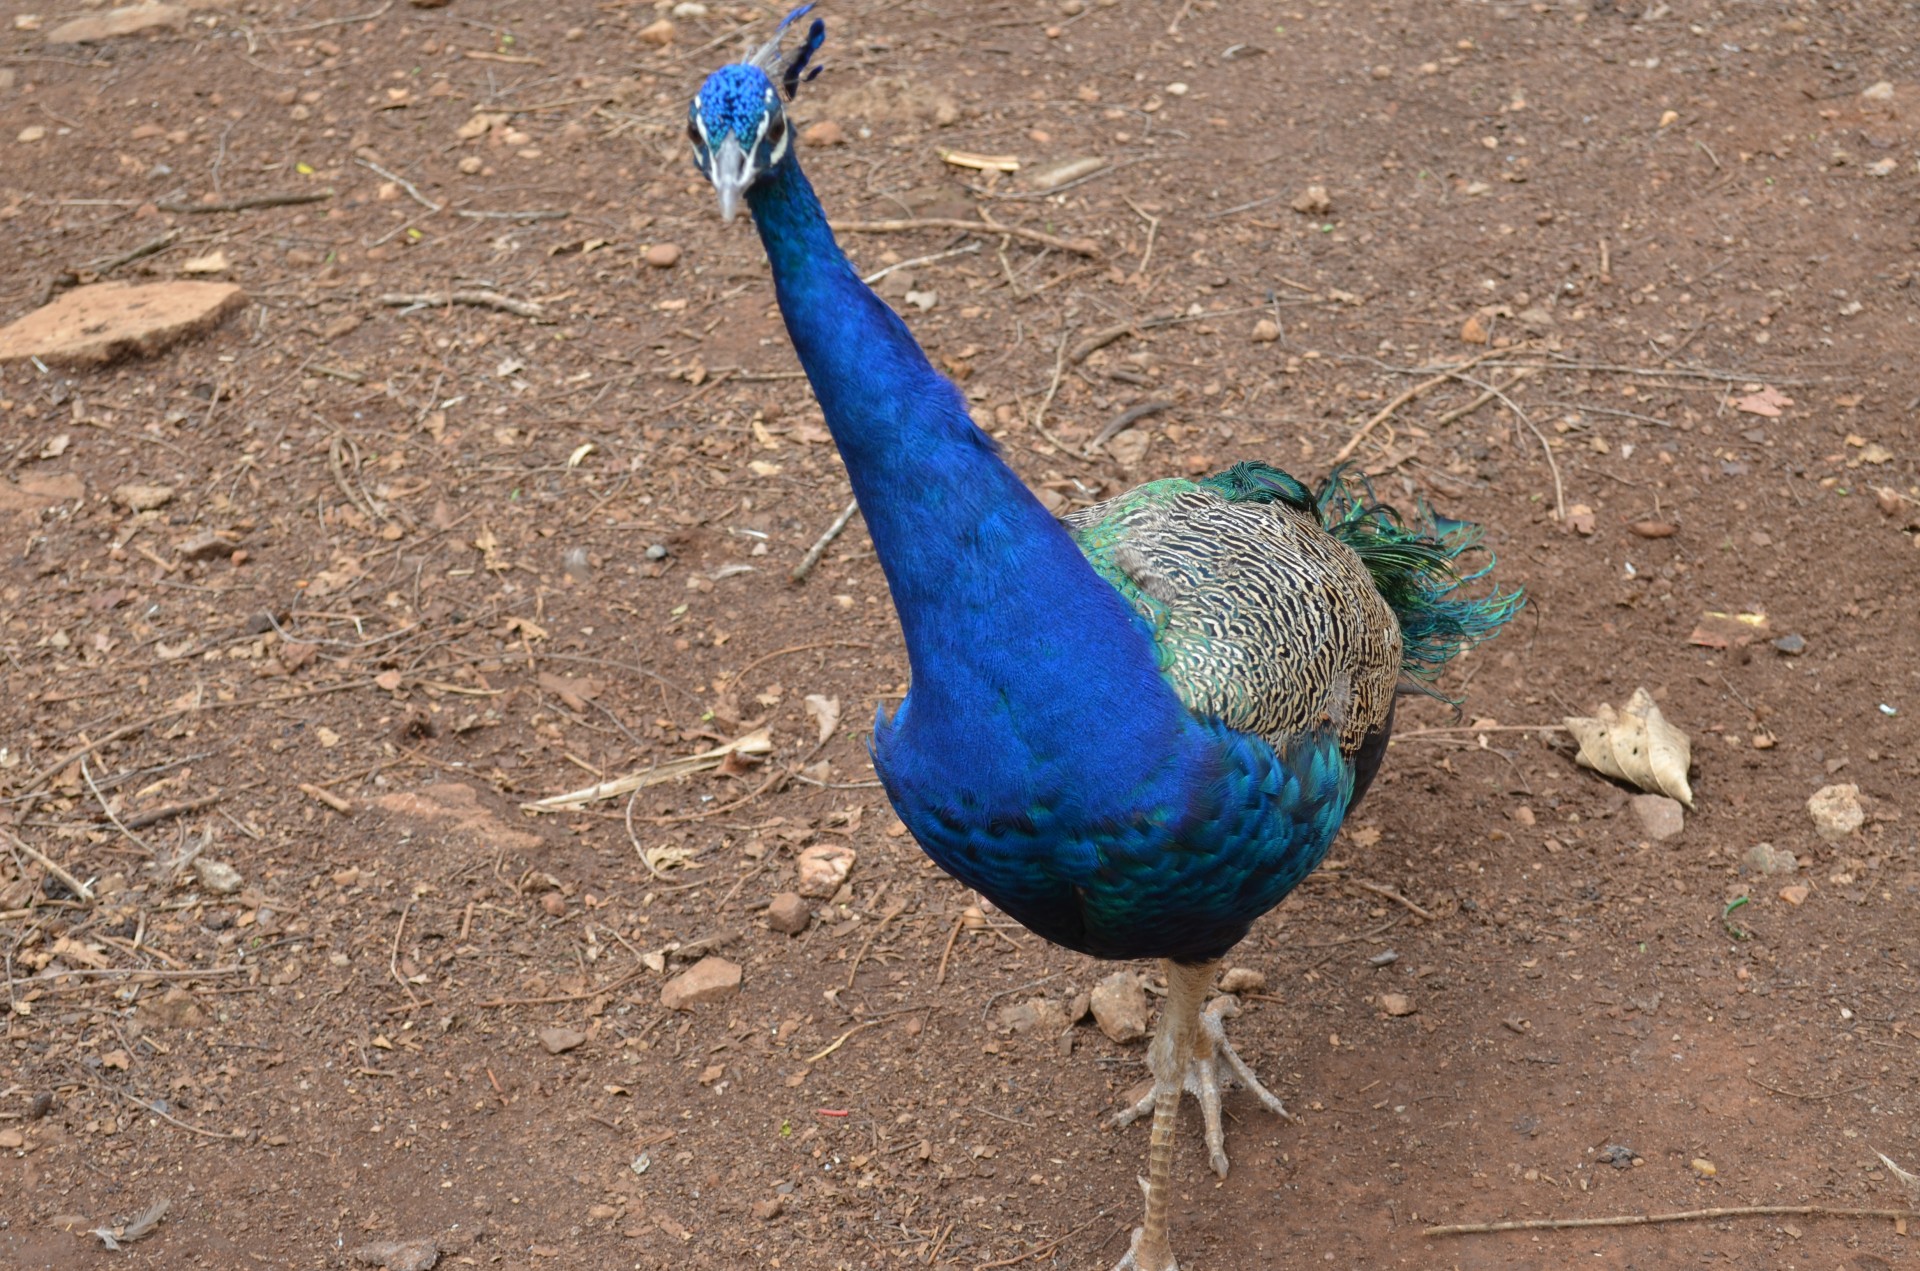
693,132
776,129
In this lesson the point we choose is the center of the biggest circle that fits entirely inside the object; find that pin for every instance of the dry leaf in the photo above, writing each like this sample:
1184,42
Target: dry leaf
1768,402
1636,745
825,712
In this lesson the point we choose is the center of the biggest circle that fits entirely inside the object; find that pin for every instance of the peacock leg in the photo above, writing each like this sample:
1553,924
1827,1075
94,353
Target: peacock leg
1169,1057
1203,1078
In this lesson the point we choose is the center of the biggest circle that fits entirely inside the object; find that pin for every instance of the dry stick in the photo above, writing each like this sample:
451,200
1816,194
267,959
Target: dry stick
168,811
1040,416
1690,1215
191,973
1078,246
1127,419
156,1110
563,998
1390,894
107,264
1461,412
959,921
893,911
478,299
413,191
247,201
820,545
133,838
393,957
1418,390
1057,1241
53,867
1553,465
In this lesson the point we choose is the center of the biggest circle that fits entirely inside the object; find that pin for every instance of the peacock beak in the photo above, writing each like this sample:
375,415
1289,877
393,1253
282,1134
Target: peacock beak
731,175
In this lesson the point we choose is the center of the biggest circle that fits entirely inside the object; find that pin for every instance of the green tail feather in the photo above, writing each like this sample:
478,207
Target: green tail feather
1415,564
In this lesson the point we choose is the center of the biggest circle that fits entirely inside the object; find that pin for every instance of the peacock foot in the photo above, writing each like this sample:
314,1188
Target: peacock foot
1215,1067
1136,1260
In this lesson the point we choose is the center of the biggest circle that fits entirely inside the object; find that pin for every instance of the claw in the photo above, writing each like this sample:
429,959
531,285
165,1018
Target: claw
1215,1068
1133,1261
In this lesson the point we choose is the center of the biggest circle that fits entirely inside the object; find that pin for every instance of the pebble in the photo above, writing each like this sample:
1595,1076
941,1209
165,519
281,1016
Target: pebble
1397,1004
823,867
205,546
1119,1005
142,498
789,914
32,133
659,33
217,876
1703,1167
1313,201
1796,894
12,1140
710,979
663,255
1266,331
1242,979
1659,816
657,551
1791,645
824,132
769,1209
1769,859
558,1041
1836,811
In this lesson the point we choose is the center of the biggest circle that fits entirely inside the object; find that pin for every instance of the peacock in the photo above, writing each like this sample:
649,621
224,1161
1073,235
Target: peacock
1136,729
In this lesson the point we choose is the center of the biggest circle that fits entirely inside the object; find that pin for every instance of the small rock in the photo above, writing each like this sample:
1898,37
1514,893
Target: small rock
1617,1156
1313,201
31,133
1654,529
1041,1015
1888,500
1880,92
12,1140
1791,645
1769,859
769,1209
1078,1007
1796,894
823,867
1119,1005
1836,811
217,876
175,1009
663,255
1397,1004
1266,331
824,132
1703,1167
214,262
97,324
142,498
1659,816
398,1255
789,914
708,980
558,1041
1473,331
117,22
658,33
205,546
1242,979
554,904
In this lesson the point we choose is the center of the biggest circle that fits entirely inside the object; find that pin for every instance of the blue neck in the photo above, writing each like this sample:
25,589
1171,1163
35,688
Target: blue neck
1026,664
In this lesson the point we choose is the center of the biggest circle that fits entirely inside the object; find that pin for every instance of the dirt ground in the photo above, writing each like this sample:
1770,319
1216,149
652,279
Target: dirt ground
420,565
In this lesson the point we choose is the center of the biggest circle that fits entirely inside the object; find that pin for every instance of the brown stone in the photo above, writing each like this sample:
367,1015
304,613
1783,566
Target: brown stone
823,867
1242,979
91,326
708,980
1659,816
1120,1006
663,255
789,914
558,1041
113,23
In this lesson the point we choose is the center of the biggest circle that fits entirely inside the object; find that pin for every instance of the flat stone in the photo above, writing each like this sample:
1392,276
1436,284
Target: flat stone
398,1255
1397,1004
206,545
708,980
1659,816
217,876
1041,1015
1313,201
823,867
1119,1005
1240,979
663,255
789,914
114,23
1791,645
138,497
91,326
558,1041
1769,859
1836,811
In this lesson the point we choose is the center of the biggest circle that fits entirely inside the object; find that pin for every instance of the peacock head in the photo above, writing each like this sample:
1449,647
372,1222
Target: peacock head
737,123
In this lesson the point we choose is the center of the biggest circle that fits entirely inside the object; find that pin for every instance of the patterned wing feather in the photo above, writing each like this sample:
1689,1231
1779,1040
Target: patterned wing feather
1261,618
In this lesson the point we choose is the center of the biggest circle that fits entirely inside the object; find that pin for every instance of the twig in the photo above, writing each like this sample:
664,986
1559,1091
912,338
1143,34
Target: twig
155,1108
133,838
478,299
841,1040
1126,419
393,956
413,191
107,264
535,215
1418,390
1056,1242
1153,232
1690,1215
168,811
878,274
247,201
820,545
1078,246
1808,1098
1053,387
1553,465
563,998
53,867
327,797
1461,412
893,911
1390,894
959,921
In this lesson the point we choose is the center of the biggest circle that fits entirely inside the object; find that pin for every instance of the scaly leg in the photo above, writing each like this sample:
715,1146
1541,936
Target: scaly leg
1170,1056
1203,1078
